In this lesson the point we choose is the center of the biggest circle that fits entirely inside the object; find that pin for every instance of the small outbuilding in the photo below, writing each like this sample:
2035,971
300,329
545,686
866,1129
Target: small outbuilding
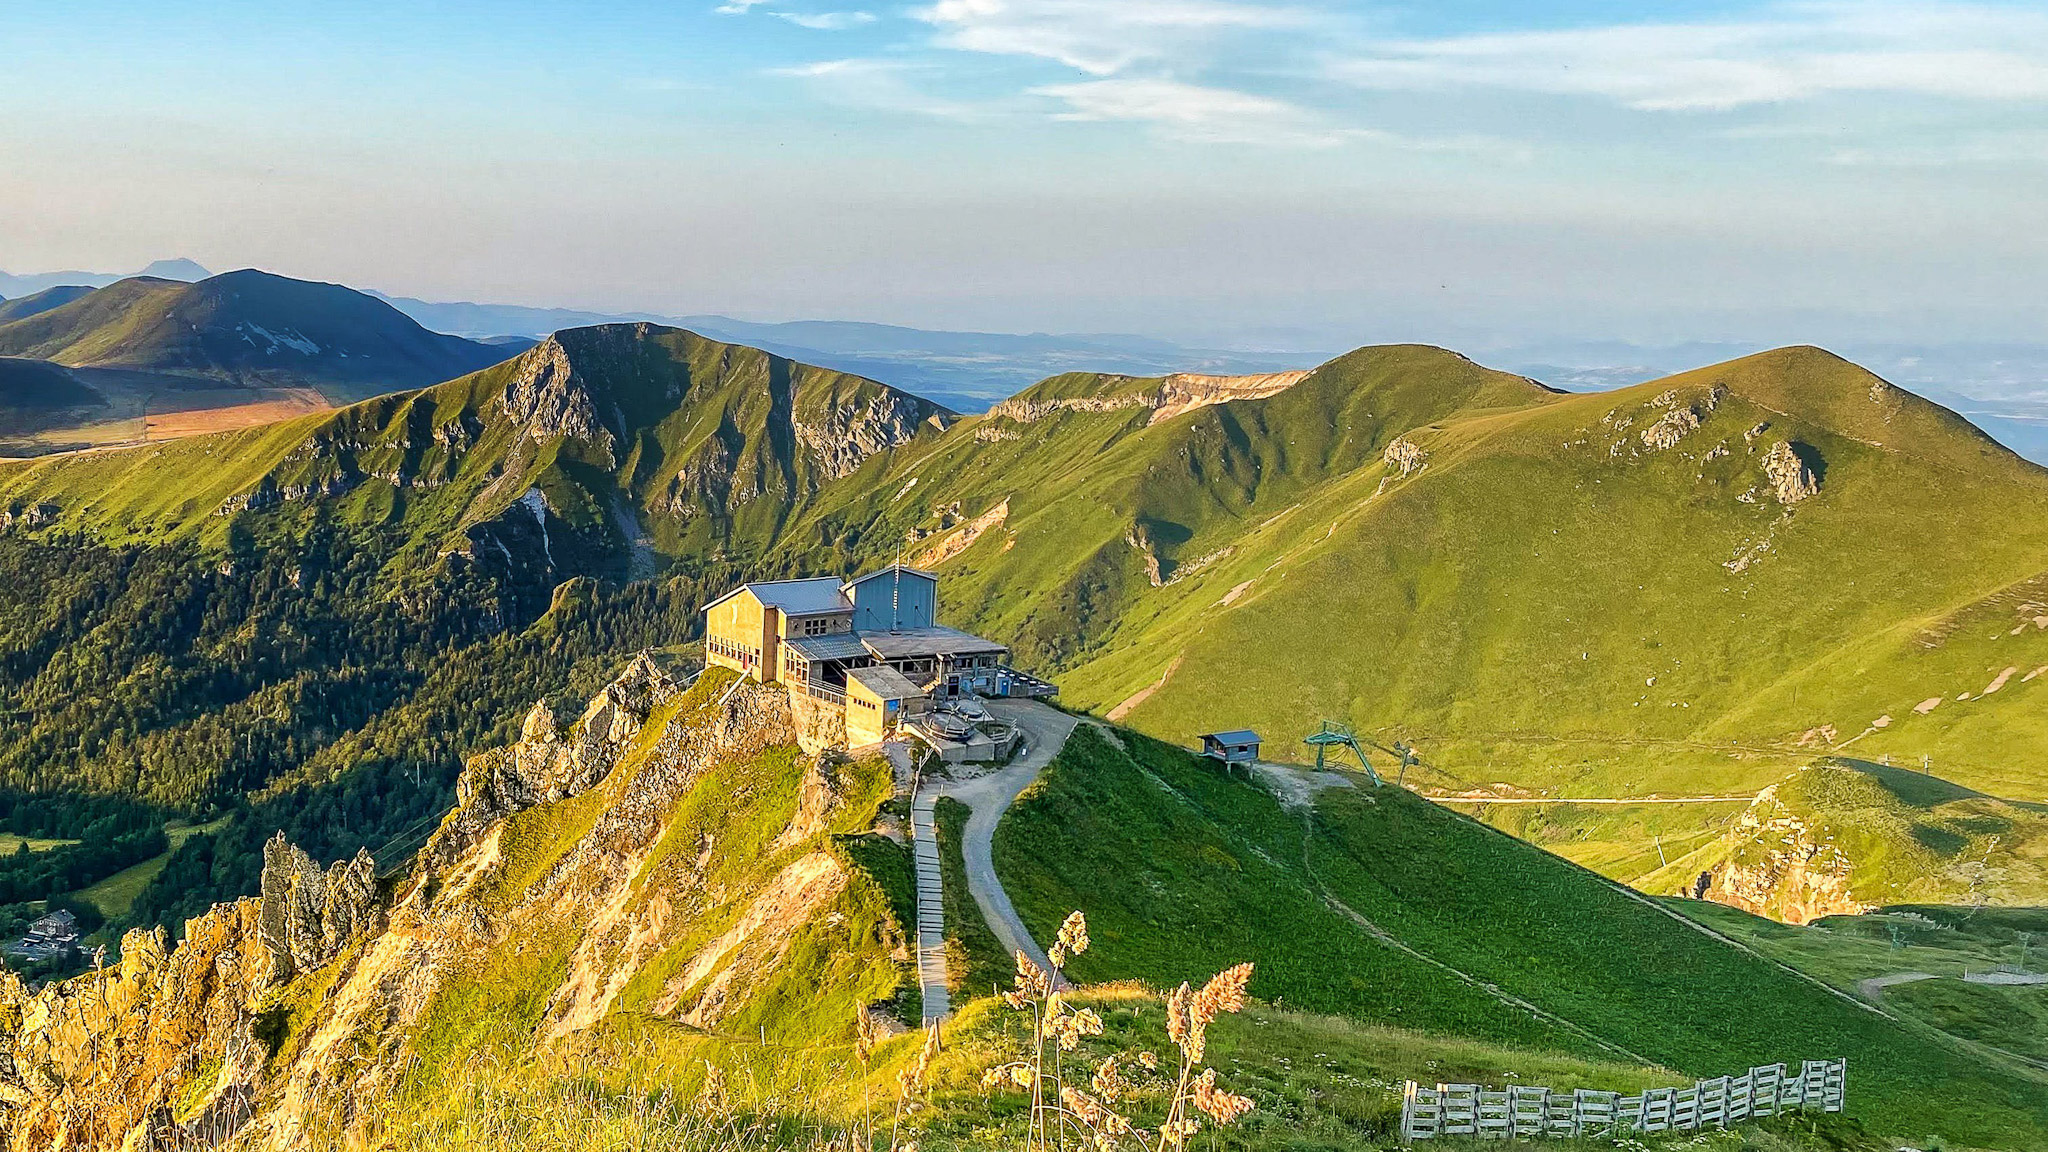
1238,747
879,699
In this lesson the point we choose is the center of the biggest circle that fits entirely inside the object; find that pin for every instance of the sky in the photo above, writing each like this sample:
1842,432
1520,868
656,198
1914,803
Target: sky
1221,172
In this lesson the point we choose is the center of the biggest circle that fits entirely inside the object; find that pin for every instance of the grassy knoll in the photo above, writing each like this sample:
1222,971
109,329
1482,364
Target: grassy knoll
115,895
1160,850
10,843
975,960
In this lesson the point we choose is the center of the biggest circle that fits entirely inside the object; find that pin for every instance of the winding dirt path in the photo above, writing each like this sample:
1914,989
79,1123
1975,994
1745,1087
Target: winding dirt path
1045,732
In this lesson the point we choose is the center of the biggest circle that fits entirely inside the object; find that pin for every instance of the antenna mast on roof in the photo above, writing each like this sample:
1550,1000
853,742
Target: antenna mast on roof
896,593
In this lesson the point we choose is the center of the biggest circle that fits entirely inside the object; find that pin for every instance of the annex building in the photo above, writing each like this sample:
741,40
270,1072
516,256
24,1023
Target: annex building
871,646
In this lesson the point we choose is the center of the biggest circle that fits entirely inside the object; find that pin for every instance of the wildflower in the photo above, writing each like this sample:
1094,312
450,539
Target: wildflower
1069,1027
866,1031
1215,1103
1150,1061
1073,939
1177,1014
1177,1132
1032,981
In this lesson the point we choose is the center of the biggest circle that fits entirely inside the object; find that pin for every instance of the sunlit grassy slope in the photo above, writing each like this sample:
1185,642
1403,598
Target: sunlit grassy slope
1377,904
1547,599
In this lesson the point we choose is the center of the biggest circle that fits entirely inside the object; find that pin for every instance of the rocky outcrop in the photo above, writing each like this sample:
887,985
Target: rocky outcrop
1187,391
962,536
1777,867
1790,478
296,1013
546,764
1028,411
28,516
820,727
842,438
98,1060
548,398
1175,394
1404,454
308,916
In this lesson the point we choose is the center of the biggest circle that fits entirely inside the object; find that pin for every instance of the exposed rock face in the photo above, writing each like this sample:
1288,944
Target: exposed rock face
1187,391
94,1061
1790,478
819,727
962,537
547,398
1178,393
816,802
1030,411
1405,455
28,516
308,916
843,438
103,1060
1777,868
544,766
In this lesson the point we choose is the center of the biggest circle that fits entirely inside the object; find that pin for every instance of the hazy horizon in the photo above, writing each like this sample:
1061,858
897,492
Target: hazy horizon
1199,170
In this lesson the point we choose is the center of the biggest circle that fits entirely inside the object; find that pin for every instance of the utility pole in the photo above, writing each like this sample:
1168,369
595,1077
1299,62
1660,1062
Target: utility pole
1926,764
1659,842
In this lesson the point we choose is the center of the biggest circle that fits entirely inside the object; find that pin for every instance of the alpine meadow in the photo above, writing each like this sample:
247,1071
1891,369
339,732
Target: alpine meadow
1515,611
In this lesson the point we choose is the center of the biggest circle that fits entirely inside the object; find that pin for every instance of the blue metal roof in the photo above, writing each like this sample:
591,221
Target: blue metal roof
1240,736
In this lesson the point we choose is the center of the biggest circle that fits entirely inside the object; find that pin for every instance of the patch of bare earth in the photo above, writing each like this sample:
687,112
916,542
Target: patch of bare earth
1143,694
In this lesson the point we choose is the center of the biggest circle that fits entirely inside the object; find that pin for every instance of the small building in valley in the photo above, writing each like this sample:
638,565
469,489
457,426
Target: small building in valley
51,937
1239,746
871,647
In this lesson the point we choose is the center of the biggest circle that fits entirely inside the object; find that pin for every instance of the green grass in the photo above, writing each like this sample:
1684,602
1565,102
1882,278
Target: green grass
1596,642
2012,1017
115,895
10,843
976,961
1182,870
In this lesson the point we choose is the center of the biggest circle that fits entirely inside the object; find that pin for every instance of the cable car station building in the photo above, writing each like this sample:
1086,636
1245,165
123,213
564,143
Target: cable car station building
870,646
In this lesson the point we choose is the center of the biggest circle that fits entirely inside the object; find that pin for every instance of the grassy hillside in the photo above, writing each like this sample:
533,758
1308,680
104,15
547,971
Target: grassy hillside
35,393
1378,904
22,307
244,327
1667,589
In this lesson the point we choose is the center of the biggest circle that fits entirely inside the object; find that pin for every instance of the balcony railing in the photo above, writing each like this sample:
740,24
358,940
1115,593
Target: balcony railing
824,692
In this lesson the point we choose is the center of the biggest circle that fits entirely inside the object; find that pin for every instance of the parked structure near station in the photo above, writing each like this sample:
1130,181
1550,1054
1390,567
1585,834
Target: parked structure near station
1238,746
870,647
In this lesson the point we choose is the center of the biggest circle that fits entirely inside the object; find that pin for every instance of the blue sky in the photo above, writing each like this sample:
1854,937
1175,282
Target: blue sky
1234,170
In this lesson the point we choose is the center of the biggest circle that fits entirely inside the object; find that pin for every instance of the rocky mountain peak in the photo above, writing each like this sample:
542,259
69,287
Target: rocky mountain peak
549,397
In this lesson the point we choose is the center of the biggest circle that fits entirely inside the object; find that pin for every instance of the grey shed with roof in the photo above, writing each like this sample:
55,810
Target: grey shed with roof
1240,746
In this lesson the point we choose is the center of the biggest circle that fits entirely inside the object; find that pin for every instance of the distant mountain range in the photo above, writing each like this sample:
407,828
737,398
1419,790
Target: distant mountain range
2003,387
967,371
13,287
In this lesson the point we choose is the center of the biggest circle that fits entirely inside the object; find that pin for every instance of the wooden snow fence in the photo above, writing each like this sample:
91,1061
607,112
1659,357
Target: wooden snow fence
1528,1112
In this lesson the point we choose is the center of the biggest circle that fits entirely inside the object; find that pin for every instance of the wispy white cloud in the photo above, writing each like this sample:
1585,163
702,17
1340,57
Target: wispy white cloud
1789,52
883,85
826,21
1192,112
1099,37
738,7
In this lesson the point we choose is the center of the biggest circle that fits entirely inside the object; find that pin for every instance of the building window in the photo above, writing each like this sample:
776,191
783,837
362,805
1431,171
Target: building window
818,626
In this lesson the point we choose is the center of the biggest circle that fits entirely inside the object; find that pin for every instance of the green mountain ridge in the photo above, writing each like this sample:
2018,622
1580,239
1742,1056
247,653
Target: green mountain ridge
245,328
1689,587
